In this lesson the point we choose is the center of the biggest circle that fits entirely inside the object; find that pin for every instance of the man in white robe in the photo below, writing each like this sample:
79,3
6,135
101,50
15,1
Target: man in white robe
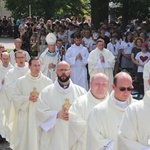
146,77
50,58
104,119
79,111
2,49
101,60
52,109
5,57
11,77
25,133
77,56
18,44
134,132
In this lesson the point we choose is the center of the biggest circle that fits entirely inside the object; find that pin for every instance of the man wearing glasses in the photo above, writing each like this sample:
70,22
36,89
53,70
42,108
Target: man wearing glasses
52,109
104,119
11,77
134,132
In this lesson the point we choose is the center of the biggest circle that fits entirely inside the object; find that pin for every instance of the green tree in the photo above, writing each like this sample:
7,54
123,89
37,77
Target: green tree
99,11
132,9
47,8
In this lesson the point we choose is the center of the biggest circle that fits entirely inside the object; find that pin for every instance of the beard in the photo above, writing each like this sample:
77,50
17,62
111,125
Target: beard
63,78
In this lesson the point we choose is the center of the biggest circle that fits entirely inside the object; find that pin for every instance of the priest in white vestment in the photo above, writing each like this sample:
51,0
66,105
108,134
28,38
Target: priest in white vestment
77,56
52,109
105,118
50,58
25,133
2,49
4,68
11,77
18,44
134,132
146,77
101,60
79,111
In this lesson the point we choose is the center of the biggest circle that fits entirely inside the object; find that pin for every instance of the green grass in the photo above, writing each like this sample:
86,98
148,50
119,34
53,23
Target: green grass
9,50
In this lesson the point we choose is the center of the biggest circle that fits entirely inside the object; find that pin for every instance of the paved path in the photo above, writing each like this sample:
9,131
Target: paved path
8,43
4,146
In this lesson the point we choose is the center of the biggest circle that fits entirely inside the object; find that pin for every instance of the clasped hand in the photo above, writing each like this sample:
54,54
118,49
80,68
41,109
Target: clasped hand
63,114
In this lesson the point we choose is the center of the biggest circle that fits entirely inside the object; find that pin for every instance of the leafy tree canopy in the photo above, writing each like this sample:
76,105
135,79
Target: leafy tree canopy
47,8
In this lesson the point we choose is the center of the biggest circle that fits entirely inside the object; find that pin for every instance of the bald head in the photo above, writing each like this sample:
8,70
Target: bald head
63,72
18,40
99,85
99,76
122,76
63,63
5,54
18,43
5,57
122,86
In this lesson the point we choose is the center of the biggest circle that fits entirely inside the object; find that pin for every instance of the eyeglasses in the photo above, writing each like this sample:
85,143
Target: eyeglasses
128,88
63,70
20,57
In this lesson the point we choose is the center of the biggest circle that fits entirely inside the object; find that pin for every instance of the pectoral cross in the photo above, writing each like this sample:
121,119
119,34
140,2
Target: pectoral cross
34,92
66,105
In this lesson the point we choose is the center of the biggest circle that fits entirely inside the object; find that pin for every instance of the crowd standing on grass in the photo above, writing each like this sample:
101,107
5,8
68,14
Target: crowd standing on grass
63,73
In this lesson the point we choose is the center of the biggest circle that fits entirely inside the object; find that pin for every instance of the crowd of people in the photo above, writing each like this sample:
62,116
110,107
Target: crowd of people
68,86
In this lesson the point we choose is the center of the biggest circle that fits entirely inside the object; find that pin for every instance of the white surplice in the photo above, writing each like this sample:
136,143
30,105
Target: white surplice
78,114
134,132
78,67
95,65
10,80
146,76
3,71
25,132
103,123
55,134
45,61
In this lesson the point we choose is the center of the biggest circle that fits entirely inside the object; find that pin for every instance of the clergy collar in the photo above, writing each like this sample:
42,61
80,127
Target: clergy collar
5,68
118,104
51,54
122,104
32,77
64,86
21,68
61,89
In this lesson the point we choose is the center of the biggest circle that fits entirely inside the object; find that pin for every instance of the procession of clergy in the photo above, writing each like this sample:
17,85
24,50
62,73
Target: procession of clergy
47,104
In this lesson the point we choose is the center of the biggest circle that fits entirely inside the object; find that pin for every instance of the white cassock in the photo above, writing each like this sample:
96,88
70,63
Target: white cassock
25,133
103,124
78,67
78,114
10,79
12,57
55,131
3,71
146,76
46,58
95,65
134,132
